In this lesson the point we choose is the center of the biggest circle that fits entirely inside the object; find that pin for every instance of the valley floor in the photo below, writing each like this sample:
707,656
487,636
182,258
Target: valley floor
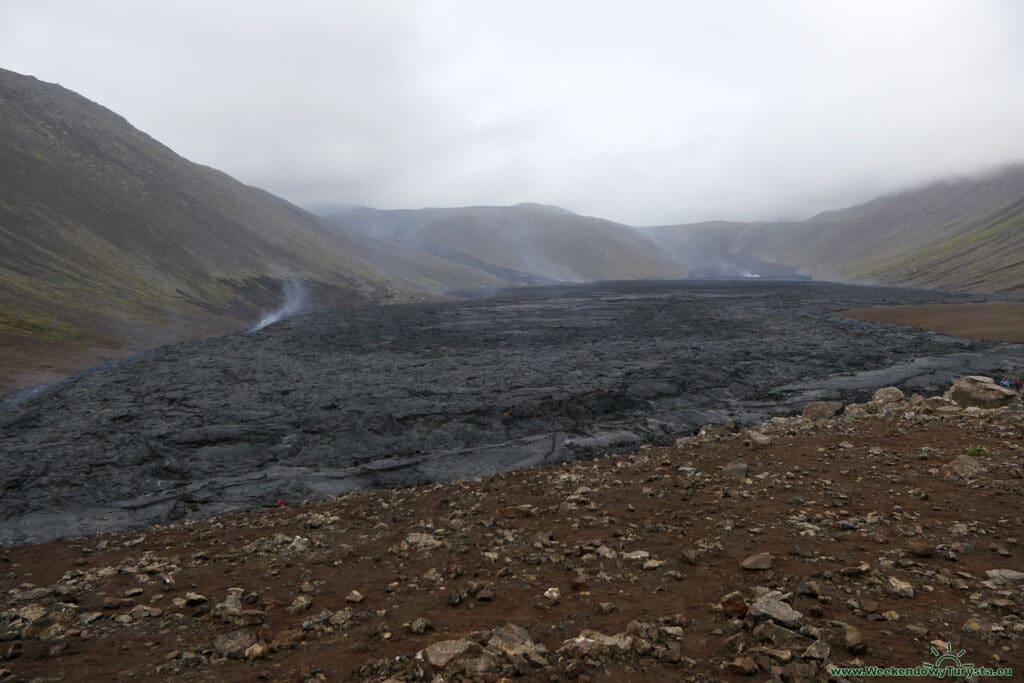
890,529
1001,321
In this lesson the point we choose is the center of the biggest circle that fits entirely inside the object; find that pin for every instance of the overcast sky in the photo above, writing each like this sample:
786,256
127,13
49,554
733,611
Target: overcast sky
643,112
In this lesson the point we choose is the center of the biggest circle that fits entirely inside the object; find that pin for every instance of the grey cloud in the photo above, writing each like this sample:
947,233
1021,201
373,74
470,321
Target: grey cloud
643,112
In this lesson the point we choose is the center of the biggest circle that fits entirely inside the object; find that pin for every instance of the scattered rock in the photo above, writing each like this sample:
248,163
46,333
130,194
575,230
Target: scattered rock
419,626
756,440
441,653
518,511
759,561
772,607
1002,577
822,410
594,643
735,470
733,605
965,466
921,549
235,643
854,640
899,588
194,599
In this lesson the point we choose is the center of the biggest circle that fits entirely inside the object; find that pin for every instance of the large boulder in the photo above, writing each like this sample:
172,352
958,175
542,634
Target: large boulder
981,392
887,395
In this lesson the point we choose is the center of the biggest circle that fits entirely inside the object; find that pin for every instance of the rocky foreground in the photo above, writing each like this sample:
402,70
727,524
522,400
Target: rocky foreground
858,534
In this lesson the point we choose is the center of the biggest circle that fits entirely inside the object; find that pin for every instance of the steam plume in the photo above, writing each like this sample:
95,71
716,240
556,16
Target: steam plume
294,299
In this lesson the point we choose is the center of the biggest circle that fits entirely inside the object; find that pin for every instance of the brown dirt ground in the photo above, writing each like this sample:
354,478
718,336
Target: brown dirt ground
1001,321
809,501
25,362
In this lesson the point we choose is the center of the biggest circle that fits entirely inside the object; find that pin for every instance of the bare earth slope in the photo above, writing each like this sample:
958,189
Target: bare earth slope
865,539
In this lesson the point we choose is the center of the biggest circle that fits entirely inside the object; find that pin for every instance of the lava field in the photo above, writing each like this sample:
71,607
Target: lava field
322,404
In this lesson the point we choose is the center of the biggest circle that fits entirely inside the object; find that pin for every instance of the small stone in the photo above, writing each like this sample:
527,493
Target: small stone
441,653
735,470
921,549
744,666
965,466
117,603
818,650
553,594
419,626
235,643
972,626
518,511
900,589
760,561
652,564
756,440
810,588
255,651
193,599
636,555
772,607
299,604
733,605
854,640
354,597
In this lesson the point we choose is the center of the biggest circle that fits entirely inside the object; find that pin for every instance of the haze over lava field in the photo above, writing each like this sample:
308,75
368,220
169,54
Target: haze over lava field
322,404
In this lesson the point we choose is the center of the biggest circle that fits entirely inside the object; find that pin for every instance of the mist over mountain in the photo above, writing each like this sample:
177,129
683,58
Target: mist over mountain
523,243
963,233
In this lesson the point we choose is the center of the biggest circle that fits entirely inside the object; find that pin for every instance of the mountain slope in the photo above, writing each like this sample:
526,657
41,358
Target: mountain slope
520,242
102,224
110,241
958,234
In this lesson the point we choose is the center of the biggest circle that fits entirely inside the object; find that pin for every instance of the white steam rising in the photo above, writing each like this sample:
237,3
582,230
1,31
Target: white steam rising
294,300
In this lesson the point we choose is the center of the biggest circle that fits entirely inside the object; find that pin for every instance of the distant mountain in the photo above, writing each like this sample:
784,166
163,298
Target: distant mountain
522,244
965,234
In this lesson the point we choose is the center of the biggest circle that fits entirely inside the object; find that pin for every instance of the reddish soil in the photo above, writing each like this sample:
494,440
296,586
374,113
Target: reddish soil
999,321
846,503
25,361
